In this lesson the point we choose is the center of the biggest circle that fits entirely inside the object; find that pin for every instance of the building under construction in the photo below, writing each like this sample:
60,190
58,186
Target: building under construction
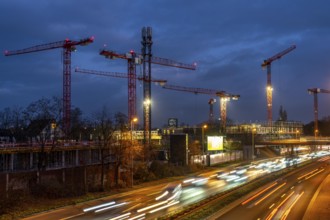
275,130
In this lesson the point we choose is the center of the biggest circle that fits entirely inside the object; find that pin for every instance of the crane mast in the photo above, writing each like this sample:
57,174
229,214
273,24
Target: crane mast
146,59
146,55
315,91
223,96
269,89
68,46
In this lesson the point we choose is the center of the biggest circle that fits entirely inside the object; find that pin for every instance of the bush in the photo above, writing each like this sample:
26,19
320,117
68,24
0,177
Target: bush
9,201
141,173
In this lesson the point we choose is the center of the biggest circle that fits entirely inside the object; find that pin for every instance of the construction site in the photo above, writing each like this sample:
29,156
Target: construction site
52,147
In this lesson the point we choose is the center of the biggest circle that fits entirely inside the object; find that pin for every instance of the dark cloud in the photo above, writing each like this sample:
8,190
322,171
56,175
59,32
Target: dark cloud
228,39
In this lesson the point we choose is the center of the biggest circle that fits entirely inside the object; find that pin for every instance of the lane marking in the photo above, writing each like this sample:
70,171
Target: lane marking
307,174
73,216
294,202
266,196
270,216
123,216
142,216
271,206
256,195
314,174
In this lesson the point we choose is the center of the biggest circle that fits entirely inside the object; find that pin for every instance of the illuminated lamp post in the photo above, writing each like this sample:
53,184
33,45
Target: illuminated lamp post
134,120
297,134
316,134
203,128
253,145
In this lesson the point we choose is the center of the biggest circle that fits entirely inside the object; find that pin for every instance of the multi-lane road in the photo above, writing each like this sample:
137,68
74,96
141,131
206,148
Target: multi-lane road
281,198
287,198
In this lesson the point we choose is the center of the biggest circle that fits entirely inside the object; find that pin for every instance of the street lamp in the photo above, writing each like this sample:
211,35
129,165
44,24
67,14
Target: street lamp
134,120
297,134
253,132
203,128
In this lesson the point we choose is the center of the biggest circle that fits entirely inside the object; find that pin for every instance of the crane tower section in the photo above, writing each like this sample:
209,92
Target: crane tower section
132,60
315,91
147,54
269,89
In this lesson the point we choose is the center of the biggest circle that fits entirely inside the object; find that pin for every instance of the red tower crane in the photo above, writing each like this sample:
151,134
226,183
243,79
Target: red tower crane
315,91
136,59
68,46
223,96
131,109
267,63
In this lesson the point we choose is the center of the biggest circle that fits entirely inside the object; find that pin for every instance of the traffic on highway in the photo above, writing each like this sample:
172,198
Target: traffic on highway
160,200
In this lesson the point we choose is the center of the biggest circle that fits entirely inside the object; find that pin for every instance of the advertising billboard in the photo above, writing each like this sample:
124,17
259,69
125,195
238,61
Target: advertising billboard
214,143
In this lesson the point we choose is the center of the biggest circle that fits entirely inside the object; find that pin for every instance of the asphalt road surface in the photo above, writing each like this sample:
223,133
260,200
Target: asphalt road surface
287,198
147,203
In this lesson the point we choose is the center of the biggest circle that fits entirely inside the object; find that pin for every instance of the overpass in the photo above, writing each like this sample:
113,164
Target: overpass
309,141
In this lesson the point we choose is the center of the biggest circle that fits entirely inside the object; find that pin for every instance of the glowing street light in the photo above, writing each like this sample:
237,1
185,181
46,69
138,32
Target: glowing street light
134,120
203,128
253,130
297,133
147,102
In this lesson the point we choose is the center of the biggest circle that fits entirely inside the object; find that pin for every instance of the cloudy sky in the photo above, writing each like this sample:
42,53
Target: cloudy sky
229,39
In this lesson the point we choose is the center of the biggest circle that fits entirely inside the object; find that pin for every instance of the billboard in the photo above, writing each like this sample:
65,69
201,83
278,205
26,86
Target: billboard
214,143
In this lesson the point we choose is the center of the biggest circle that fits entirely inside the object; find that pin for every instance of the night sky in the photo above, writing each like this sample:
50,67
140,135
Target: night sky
229,39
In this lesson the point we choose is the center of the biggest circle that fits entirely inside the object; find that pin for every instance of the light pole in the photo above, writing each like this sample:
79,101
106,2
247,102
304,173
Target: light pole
253,132
134,120
316,133
203,128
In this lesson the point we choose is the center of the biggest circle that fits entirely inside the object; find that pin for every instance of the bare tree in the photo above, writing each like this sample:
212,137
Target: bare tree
105,129
44,119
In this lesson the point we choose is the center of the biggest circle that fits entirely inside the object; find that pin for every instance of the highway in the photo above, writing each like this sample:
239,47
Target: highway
287,198
151,202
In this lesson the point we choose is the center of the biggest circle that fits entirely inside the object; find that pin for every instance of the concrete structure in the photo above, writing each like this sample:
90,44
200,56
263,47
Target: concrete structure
278,129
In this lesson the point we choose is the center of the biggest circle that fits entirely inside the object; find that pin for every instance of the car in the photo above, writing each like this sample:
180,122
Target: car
195,181
228,176
171,192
